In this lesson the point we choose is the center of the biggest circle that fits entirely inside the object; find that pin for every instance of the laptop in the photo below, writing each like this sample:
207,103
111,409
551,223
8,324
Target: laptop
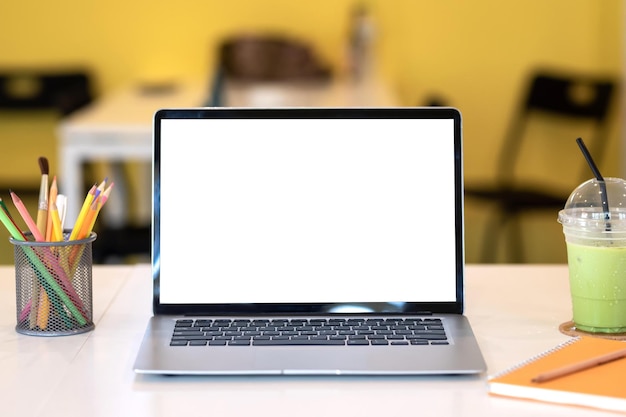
308,241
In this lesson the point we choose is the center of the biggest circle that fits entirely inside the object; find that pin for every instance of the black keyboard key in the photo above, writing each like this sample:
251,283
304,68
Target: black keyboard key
187,331
358,342
427,337
190,337
239,342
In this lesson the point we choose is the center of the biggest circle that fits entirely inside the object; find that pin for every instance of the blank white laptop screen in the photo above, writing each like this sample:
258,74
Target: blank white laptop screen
307,211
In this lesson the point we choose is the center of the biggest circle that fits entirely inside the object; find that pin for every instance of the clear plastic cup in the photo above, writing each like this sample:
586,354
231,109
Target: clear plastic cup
595,236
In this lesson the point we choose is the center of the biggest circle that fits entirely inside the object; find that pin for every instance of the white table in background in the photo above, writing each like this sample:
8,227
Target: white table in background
118,127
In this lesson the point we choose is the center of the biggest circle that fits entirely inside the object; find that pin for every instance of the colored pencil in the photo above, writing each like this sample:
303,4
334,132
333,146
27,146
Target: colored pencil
44,302
32,226
83,212
30,223
14,227
52,198
57,230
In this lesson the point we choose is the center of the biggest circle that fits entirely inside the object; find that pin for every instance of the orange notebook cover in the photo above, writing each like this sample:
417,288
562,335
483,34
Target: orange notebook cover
602,386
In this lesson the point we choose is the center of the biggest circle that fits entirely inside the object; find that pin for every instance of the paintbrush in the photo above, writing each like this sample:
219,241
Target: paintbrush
52,198
42,208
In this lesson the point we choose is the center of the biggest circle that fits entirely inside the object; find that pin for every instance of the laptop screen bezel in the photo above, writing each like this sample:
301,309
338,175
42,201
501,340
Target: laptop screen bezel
403,308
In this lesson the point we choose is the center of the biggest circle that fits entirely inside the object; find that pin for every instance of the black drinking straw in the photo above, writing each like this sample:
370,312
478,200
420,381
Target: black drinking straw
600,178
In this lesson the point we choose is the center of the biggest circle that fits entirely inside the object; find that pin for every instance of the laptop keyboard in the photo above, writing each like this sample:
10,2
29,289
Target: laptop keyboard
279,332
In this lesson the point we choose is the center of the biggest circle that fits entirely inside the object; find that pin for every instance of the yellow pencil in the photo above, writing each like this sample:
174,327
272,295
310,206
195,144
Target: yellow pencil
83,212
92,214
44,310
88,224
52,199
57,231
90,219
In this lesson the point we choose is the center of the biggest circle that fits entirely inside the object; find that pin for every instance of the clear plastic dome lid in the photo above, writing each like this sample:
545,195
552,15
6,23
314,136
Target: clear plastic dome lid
596,205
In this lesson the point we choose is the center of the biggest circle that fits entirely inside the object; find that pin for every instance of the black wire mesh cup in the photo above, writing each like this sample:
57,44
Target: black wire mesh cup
53,282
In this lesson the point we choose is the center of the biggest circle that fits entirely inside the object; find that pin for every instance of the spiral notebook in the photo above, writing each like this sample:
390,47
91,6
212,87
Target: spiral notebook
599,387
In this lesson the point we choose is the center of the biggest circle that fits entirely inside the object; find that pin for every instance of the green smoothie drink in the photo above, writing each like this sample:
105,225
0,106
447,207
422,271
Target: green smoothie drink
594,224
598,286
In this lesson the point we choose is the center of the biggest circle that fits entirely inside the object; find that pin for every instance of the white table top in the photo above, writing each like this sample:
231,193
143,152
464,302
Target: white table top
515,312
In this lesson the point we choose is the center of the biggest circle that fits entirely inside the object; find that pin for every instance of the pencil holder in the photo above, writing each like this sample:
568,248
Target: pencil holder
54,286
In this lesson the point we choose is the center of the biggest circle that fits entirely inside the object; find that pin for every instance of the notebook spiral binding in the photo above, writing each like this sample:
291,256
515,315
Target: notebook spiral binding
535,358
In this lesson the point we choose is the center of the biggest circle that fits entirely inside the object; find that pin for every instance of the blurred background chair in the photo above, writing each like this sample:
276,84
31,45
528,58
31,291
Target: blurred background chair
533,173
266,67
32,101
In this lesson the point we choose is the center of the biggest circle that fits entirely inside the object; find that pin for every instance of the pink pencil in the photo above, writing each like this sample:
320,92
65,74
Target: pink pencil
32,226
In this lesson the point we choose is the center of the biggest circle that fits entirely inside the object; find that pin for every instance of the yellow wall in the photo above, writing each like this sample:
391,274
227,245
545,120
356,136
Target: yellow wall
472,53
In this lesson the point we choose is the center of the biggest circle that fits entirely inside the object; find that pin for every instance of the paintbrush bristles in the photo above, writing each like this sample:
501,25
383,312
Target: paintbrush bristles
42,212
43,165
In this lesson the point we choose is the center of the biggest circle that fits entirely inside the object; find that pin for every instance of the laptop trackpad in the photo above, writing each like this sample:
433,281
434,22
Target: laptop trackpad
308,360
